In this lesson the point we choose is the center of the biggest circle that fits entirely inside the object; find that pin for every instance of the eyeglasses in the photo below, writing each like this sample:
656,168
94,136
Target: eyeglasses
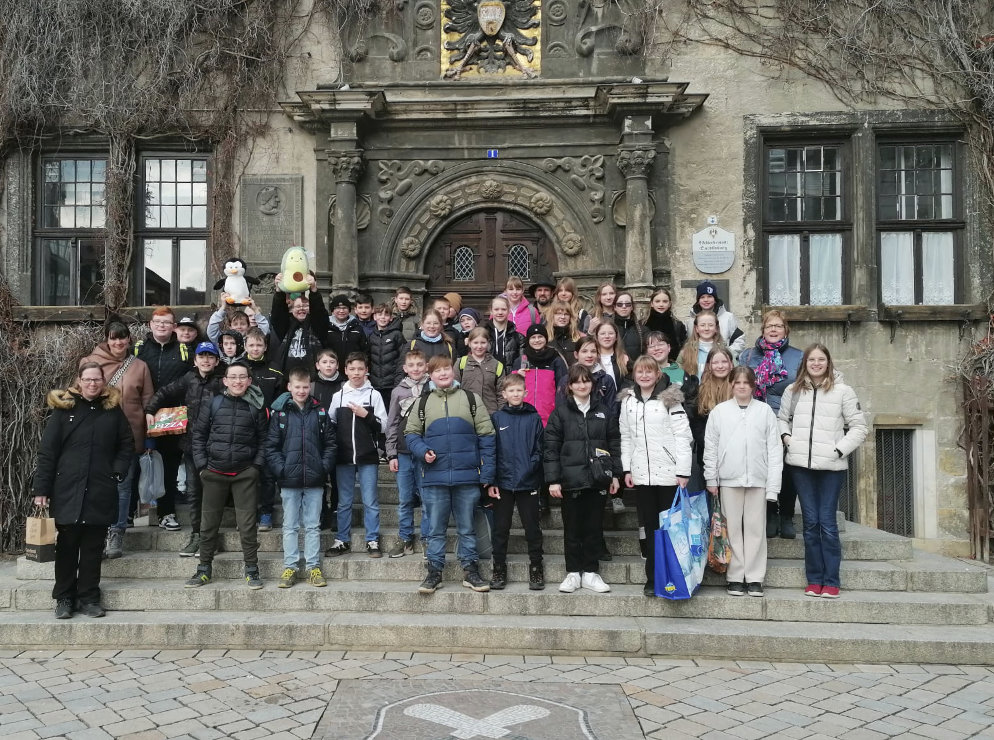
621,304
91,380
774,326
237,377
162,323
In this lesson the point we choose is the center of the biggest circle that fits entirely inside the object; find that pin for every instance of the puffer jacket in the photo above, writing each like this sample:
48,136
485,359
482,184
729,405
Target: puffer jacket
300,447
571,437
135,386
193,390
268,379
632,337
743,450
386,347
409,325
439,348
541,382
166,362
463,443
815,423
655,436
791,358
405,394
347,338
84,446
357,436
604,391
505,345
523,315
481,377
519,448
229,435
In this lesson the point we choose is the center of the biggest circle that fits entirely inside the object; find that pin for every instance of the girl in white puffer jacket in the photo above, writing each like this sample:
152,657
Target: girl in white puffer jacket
813,416
655,449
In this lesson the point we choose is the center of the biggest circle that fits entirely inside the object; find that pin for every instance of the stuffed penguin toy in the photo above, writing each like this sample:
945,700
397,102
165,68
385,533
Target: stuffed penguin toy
236,283
294,270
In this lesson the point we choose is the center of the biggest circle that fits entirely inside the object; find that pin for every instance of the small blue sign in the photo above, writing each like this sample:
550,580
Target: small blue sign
493,153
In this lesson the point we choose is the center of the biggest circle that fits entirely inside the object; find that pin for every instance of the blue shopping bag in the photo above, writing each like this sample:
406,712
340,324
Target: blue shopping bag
682,540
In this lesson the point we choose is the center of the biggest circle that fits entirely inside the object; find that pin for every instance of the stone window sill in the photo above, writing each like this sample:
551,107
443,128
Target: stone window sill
796,314
958,312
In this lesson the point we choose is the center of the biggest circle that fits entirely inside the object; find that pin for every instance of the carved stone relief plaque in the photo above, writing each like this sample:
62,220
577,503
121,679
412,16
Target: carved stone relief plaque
270,216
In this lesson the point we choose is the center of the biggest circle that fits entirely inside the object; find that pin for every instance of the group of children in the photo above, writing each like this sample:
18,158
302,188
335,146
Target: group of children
341,393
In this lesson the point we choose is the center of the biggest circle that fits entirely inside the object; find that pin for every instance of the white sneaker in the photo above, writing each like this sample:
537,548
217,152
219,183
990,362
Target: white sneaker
169,522
570,583
594,582
617,505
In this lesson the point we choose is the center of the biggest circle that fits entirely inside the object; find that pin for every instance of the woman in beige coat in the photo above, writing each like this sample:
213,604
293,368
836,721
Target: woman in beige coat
131,376
814,414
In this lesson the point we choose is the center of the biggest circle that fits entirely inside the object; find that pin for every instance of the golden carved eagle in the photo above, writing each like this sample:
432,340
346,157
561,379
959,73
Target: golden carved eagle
490,35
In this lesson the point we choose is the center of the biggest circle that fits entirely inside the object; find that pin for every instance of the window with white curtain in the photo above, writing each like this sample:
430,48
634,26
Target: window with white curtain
918,225
806,226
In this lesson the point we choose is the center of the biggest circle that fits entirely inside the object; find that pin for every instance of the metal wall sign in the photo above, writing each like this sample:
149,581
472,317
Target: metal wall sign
714,249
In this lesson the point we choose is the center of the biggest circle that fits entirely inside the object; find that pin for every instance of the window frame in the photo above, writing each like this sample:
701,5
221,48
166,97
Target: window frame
142,232
78,235
844,225
918,227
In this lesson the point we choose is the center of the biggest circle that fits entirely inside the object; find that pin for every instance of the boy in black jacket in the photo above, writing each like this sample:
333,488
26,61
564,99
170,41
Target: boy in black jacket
270,381
300,454
345,332
386,346
519,475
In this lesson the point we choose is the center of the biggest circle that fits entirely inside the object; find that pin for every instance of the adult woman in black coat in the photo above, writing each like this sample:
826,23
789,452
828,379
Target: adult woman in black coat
577,429
85,452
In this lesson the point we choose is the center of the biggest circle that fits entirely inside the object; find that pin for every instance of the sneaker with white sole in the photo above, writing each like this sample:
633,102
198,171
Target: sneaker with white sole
399,548
617,505
169,523
373,549
594,582
192,546
570,583
338,548
288,578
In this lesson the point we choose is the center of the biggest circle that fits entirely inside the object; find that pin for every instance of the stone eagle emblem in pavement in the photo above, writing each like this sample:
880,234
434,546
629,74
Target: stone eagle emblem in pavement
490,35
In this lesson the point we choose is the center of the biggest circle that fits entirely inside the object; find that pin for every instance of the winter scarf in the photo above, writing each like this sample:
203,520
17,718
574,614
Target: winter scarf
771,369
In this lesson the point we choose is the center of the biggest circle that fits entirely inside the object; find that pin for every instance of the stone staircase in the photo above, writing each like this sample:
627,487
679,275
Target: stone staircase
898,605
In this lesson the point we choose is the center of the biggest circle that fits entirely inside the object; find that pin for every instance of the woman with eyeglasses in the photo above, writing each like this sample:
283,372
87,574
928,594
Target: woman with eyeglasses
86,451
775,363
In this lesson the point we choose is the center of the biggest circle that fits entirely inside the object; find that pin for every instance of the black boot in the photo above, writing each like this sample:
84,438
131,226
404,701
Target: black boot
536,577
499,579
772,523
471,578
431,582
787,531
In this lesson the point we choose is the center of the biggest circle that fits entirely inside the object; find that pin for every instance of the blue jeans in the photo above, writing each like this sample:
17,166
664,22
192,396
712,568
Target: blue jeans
124,496
818,491
302,507
409,482
346,476
459,501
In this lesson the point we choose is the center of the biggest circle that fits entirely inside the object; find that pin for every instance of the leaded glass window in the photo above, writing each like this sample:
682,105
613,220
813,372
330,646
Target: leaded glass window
464,264
519,262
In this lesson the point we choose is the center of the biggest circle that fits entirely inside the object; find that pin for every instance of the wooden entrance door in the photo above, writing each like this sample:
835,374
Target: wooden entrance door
475,256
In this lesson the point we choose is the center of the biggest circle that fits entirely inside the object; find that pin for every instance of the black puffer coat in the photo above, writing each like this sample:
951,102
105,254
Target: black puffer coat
192,390
232,437
632,337
84,445
301,447
386,350
505,346
166,362
346,339
269,380
570,440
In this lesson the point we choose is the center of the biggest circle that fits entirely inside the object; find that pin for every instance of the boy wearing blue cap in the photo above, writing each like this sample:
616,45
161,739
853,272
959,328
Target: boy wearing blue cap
194,389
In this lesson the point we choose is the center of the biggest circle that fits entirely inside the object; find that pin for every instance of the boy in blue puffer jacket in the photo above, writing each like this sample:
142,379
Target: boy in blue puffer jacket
519,476
300,454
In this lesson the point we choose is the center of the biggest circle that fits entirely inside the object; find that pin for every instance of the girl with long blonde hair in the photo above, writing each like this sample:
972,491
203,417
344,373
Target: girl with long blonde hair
704,338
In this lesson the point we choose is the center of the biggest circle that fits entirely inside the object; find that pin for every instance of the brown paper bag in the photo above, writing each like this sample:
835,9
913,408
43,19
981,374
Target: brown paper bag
39,536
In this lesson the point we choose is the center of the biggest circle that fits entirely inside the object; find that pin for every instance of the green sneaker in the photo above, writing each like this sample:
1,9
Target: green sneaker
201,578
288,578
316,578
252,577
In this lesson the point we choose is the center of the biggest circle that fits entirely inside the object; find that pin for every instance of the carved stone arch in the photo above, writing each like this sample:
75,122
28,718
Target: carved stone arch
514,186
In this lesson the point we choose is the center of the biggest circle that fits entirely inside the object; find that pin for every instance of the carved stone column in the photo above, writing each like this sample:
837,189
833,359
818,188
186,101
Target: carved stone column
347,166
635,163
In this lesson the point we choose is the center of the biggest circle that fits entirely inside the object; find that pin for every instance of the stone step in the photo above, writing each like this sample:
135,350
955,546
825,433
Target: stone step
812,642
712,602
858,542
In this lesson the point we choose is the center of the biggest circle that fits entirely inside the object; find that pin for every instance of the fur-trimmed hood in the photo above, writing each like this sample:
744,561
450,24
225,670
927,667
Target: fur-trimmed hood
671,394
66,399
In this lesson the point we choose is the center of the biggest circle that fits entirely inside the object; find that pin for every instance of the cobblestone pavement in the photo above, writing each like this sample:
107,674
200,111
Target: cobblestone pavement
243,694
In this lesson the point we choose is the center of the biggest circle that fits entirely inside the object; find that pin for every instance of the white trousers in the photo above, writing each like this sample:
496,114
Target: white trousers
745,510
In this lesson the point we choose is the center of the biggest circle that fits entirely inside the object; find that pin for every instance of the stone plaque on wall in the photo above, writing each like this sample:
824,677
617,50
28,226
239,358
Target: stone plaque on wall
714,250
271,217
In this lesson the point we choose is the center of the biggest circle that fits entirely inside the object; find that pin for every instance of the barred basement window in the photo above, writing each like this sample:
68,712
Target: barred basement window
848,498
464,264
519,262
896,481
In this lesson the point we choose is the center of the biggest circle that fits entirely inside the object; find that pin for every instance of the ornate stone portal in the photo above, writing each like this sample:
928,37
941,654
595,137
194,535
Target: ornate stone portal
499,105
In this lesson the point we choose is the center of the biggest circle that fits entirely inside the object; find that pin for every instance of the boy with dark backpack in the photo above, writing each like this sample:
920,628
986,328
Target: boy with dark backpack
300,453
